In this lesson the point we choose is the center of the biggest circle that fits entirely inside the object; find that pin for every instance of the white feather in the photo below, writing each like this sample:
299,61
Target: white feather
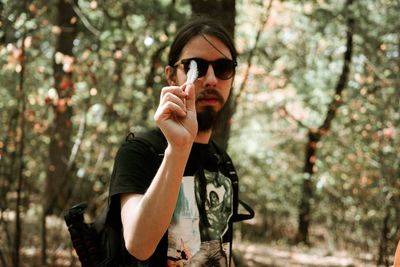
192,73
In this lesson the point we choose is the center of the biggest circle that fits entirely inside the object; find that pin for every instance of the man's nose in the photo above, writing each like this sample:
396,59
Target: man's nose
210,80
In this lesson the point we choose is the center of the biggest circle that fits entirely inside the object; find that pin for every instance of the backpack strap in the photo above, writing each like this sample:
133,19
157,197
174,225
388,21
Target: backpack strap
154,139
226,166
225,162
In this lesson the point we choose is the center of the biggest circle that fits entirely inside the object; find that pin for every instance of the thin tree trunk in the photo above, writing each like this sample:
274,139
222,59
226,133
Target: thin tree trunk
61,128
383,247
57,185
314,136
20,141
6,181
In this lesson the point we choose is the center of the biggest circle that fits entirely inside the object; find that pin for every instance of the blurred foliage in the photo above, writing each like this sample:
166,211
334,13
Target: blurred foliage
118,66
295,71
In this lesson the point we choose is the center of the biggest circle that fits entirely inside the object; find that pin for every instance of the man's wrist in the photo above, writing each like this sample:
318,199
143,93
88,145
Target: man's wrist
178,150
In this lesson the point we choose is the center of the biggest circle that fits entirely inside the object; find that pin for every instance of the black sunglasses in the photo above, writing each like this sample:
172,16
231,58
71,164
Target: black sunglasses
224,68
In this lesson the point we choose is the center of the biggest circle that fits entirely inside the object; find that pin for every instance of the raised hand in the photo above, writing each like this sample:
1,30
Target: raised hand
176,114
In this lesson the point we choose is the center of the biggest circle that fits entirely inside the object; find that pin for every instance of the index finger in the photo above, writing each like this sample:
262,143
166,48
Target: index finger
176,90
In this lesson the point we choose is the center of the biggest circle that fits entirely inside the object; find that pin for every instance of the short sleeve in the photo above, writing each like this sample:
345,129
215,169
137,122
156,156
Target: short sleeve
134,168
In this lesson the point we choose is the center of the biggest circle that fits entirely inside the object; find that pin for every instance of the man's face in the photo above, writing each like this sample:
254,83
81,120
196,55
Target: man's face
211,91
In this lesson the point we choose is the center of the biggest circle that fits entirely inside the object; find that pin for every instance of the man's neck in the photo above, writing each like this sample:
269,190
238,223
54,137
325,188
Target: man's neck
203,137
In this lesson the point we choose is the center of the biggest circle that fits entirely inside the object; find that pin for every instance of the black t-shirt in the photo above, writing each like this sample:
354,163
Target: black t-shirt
200,230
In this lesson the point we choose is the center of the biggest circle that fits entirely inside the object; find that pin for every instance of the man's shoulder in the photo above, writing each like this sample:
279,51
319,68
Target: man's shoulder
152,137
149,140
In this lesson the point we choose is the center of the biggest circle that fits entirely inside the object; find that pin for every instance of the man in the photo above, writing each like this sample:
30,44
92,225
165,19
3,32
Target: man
160,215
396,262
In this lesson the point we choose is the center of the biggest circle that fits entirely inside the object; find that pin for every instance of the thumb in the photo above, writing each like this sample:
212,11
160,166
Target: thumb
191,97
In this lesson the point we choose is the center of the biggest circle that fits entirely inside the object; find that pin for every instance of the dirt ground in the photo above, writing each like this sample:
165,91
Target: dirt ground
258,255
246,255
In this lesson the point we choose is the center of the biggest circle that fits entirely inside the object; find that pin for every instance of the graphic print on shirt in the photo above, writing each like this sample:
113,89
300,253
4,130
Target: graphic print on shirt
200,220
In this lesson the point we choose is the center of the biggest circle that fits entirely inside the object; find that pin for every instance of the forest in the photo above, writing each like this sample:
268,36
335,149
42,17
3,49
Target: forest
312,125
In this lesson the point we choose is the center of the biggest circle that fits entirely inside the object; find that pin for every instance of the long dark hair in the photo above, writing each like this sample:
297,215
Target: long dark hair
199,26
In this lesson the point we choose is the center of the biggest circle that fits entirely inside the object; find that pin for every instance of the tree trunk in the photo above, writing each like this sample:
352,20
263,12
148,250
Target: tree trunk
383,246
225,12
307,187
21,144
222,10
61,128
57,184
314,136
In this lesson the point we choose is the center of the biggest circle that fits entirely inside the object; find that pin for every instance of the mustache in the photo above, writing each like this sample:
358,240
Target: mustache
211,92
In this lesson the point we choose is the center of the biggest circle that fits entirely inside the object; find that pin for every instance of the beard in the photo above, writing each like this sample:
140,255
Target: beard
206,119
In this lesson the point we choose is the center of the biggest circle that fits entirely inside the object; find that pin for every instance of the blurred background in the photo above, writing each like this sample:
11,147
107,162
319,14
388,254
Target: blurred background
312,126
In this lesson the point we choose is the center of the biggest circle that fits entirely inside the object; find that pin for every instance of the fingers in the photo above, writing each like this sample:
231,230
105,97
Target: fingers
172,101
176,114
179,91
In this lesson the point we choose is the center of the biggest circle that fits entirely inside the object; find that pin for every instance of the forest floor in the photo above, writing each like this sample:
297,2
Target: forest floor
246,255
267,255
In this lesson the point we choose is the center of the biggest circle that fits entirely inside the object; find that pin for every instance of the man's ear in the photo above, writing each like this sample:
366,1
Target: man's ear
171,75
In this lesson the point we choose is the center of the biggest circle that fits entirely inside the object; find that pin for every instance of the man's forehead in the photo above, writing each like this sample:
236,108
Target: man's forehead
206,46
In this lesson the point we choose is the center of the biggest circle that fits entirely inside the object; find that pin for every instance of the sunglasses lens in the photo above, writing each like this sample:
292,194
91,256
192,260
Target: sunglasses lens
224,68
202,66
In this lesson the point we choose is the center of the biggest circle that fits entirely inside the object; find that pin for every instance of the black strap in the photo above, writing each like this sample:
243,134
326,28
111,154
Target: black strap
154,139
227,165
243,217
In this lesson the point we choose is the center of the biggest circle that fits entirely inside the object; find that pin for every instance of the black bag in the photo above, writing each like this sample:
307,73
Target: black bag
100,244
97,244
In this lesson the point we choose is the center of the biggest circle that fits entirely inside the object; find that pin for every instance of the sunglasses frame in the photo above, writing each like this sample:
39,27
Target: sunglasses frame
201,62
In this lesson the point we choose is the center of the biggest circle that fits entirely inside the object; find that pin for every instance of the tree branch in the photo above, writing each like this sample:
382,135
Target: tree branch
293,118
84,20
341,84
263,23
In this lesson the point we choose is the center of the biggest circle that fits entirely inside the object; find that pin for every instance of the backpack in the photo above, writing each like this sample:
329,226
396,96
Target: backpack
100,244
